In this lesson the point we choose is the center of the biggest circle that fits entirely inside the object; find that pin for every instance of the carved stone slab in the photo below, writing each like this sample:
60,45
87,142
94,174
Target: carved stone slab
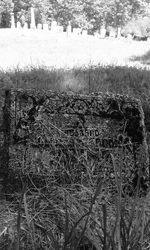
75,130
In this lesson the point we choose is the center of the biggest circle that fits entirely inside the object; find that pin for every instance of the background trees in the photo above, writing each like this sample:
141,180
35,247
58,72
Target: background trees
88,14
6,7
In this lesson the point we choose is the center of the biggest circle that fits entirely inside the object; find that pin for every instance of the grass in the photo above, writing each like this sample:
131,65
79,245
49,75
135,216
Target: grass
46,215
23,48
71,216
117,79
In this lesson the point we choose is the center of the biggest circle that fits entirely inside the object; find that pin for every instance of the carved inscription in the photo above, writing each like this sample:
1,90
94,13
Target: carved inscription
75,129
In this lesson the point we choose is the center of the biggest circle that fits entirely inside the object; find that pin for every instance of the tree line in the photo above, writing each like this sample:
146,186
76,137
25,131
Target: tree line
85,14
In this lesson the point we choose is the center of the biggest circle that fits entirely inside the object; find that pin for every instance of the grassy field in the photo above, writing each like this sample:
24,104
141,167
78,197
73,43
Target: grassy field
21,48
59,217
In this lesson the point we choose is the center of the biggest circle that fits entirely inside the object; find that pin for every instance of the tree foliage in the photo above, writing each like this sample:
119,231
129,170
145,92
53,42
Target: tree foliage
86,14
6,8
139,27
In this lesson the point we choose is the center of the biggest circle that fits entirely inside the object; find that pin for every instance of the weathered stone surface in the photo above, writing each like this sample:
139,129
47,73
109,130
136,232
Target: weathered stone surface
74,130
12,21
32,25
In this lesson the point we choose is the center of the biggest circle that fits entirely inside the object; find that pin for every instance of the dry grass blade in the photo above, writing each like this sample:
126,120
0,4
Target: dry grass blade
119,189
97,192
73,230
66,223
143,223
28,220
50,236
19,219
3,232
147,228
105,226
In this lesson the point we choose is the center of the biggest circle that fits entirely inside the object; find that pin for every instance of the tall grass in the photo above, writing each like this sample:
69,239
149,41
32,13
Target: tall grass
78,215
50,215
117,79
125,80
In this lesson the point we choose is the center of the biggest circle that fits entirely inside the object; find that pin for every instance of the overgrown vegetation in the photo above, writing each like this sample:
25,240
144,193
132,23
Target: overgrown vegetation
83,214
86,214
116,79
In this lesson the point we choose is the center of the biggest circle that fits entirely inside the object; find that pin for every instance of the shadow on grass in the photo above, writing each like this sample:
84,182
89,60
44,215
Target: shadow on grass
144,59
117,79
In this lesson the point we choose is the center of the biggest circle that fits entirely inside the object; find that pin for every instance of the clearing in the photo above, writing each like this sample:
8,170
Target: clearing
24,48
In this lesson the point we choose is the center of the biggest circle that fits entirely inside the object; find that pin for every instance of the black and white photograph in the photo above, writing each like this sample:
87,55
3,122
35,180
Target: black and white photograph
74,124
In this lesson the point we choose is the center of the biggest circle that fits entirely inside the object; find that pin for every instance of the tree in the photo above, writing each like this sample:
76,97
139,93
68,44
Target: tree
42,10
89,14
22,10
6,7
137,8
138,22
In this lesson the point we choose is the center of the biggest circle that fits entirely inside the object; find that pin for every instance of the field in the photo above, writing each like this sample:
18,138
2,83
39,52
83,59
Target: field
81,215
40,48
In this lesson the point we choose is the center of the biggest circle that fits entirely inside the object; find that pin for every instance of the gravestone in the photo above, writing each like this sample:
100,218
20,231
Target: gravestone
118,32
12,21
69,29
39,26
76,31
25,25
148,39
18,25
32,25
112,34
79,31
54,26
84,32
102,32
96,34
60,29
74,130
45,26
